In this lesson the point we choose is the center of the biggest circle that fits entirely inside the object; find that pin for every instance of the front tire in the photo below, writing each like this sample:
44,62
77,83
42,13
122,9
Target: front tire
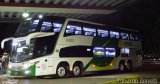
61,71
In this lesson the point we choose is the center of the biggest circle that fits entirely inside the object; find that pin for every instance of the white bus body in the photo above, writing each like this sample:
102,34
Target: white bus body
78,47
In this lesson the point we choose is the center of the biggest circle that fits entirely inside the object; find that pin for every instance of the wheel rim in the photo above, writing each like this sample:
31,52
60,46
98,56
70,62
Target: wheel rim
121,67
61,71
76,70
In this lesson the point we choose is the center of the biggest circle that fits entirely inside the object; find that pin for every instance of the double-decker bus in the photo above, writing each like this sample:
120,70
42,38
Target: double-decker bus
59,46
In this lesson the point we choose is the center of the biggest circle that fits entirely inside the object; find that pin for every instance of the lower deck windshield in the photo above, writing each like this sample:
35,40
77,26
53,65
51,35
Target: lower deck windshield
38,47
21,52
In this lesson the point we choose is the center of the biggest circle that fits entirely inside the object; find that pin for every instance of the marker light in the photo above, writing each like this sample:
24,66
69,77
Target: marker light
111,64
93,65
25,15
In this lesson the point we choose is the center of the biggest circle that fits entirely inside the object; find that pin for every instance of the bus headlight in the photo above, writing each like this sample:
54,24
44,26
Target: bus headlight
26,66
9,72
27,72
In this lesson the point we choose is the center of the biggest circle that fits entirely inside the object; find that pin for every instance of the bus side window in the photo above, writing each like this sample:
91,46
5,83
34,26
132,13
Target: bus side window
44,46
125,52
131,36
114,34
76,51
104,52
99,52
46,27
57,26
103,33
89,31
110,52
73,30
124,36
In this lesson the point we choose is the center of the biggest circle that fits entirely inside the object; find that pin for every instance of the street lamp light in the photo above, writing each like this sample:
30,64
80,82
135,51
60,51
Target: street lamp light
25,15
40,16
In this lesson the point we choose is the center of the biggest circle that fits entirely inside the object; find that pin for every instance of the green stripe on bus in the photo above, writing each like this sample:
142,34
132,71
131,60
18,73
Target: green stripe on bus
22,72
102,62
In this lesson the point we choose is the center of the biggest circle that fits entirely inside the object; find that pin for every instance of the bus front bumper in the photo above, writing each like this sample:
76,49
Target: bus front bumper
29,72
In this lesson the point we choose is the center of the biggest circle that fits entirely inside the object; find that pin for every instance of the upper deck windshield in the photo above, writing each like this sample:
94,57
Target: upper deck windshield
26,27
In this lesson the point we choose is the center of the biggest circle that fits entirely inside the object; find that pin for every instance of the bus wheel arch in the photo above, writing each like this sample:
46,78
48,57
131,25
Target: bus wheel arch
77,69
62,69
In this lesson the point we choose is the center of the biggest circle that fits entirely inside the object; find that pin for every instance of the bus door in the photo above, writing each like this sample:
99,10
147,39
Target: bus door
43,50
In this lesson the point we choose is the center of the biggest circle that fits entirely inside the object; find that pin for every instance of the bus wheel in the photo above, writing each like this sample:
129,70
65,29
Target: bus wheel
77,70
121,67
61,71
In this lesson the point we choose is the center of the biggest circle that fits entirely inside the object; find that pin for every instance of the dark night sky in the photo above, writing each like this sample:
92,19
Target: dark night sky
144,15
7,30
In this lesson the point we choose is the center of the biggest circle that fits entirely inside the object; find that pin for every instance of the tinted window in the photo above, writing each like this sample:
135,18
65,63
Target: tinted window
46,27
73,29
135,37
33,26
110,52
99,52
104,52
44,46
76,51
124,36
125,52
132,37
114,34
102,33
57,27
89,31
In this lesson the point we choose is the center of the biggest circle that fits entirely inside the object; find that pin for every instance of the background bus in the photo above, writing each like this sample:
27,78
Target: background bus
59,46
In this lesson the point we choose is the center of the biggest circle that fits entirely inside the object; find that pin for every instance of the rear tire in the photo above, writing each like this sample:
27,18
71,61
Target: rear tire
77,70
121,67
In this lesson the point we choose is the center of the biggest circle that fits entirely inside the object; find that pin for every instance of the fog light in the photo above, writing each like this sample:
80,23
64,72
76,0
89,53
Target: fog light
27,72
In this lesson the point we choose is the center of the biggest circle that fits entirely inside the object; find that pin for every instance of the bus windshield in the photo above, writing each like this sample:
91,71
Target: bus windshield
21,52
26,27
